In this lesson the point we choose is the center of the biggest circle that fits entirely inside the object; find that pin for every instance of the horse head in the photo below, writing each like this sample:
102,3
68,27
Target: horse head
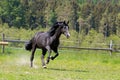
65,28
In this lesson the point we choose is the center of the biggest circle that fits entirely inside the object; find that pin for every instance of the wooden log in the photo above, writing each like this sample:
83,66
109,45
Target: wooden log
3,43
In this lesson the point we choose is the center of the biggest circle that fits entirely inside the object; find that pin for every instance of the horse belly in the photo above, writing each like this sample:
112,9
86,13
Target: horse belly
42,42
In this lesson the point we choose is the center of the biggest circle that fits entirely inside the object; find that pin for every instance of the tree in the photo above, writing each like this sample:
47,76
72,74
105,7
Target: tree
12,13
118,24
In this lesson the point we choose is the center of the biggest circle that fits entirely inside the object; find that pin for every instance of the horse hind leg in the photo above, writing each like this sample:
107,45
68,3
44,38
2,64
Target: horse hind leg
32,56
42,58
49,54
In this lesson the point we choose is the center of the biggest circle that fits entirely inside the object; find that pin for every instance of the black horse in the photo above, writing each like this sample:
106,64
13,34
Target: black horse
48,41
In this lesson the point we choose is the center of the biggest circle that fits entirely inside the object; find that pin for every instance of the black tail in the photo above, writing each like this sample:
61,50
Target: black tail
28,45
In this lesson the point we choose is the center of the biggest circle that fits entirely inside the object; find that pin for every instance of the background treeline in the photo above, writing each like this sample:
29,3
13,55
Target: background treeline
103,16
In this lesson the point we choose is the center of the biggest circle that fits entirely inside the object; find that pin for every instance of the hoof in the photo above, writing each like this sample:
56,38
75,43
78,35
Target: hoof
47,61
44,67
31,66
51,57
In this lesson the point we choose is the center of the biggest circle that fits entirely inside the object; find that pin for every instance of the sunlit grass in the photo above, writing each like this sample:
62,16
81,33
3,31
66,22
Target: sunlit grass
69,65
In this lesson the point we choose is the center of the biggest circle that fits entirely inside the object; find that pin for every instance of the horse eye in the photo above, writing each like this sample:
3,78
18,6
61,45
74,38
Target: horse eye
64,27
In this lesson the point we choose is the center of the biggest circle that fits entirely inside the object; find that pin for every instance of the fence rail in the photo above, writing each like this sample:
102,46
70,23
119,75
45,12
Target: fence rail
110,48
87,48
18,41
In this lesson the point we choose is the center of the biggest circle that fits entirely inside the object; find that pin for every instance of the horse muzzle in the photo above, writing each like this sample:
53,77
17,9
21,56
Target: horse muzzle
67,35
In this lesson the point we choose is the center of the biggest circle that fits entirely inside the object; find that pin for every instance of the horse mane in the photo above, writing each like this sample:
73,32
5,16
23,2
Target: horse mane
53,28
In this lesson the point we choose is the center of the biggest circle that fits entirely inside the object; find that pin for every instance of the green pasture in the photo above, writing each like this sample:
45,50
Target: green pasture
69,65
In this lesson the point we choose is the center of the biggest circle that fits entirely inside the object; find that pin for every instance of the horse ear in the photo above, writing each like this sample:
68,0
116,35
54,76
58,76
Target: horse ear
67,22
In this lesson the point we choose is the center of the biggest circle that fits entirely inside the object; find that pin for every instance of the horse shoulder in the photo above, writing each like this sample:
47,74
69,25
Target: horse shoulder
55,43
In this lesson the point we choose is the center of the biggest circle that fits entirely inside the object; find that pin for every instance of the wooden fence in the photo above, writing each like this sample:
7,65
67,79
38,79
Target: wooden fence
110,48
3,43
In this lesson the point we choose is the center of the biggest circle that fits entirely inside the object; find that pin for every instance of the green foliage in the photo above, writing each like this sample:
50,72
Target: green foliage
31,14
93,39
118,24
94,20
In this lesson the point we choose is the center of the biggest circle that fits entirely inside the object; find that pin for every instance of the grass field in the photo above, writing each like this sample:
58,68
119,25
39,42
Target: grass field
69,65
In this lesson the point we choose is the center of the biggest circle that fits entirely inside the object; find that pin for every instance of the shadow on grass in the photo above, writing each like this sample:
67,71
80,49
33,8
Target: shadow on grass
57,69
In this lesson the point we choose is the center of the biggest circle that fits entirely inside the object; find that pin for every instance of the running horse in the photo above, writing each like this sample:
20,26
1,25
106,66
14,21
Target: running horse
48,41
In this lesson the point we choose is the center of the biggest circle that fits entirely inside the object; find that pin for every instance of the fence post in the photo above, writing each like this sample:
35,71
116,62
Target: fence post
3,38
110,46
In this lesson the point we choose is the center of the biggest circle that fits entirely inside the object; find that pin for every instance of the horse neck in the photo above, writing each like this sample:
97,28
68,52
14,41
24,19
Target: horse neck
57,34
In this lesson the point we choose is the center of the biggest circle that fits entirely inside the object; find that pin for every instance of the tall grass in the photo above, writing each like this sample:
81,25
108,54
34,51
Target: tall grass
93,39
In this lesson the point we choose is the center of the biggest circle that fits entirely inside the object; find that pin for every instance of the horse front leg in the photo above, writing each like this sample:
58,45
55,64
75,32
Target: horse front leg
56,51
32,56
53,57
